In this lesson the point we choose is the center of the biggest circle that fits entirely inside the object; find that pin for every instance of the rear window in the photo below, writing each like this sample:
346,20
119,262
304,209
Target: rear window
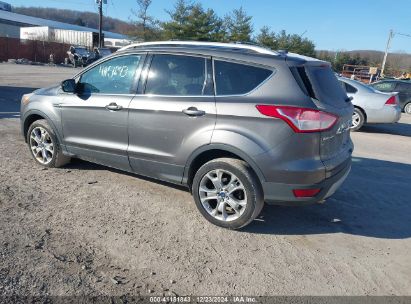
384,86
326,86
237,79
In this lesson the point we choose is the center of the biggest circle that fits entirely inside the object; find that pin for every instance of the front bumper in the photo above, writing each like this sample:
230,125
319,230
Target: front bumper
282,194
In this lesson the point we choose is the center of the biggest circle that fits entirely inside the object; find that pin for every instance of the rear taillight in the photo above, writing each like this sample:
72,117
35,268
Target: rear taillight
392,101
301,120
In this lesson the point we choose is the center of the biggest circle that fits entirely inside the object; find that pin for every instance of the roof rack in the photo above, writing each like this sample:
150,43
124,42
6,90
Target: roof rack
239,46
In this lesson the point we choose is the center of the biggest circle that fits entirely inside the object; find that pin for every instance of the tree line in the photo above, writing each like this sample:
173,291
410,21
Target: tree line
397,63
191,21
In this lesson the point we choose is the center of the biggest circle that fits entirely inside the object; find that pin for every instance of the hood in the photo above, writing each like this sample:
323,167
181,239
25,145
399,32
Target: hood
49,91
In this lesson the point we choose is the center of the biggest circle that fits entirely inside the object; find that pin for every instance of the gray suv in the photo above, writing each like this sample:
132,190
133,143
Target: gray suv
239,125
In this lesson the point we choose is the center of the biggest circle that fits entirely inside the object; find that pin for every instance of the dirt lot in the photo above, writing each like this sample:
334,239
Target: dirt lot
90,230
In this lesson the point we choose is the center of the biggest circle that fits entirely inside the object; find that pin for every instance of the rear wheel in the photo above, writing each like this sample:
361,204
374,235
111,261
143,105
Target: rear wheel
44,146
228,193
358,120
407,108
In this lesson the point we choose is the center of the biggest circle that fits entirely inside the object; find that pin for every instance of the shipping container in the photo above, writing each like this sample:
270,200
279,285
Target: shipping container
45,33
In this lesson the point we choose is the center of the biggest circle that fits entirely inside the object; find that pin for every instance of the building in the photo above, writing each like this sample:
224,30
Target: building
5,6
11,23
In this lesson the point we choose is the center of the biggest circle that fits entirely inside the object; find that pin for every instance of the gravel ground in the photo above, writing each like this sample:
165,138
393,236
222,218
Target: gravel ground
90,230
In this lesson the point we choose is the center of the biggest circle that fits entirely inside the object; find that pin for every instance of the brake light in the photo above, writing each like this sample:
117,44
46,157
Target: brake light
301,120
306,192
392,101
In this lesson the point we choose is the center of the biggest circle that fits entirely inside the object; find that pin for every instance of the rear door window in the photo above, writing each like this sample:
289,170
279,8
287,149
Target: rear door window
177,75
238,79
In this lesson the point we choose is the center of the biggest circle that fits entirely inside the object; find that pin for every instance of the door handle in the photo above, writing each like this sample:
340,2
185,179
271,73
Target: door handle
113,107
193,111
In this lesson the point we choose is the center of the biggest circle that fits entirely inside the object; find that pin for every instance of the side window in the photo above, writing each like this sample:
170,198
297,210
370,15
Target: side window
114,76
403,87
350,89
236,79
385,86
177,75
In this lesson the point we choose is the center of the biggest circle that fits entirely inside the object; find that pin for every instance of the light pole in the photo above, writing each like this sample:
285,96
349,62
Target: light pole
100,24
390,36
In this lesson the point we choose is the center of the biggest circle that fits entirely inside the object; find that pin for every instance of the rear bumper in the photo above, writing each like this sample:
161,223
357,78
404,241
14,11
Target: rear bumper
282,194
388,114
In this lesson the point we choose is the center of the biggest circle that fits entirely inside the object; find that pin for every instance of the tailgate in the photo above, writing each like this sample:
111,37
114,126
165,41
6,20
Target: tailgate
328,95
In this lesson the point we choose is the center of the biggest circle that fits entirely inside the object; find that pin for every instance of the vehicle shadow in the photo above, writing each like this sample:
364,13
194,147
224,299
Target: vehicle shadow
401,129
374,201
10,100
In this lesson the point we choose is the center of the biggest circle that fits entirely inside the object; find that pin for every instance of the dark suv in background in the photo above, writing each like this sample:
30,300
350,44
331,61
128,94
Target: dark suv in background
238,125
403,87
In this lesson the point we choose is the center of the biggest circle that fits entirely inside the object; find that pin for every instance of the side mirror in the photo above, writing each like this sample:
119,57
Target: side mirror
69,86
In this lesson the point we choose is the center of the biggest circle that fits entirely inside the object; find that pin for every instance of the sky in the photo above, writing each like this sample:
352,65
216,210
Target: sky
331,24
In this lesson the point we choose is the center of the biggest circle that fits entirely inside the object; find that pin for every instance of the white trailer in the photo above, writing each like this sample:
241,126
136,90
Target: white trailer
45,33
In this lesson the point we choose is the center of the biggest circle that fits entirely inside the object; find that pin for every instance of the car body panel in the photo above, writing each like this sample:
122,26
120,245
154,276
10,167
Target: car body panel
151,135
161,135
94,132
403,87
373,103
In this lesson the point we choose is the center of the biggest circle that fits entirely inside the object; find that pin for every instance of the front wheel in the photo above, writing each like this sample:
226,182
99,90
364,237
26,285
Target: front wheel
358,120
407,108
44,146
228,193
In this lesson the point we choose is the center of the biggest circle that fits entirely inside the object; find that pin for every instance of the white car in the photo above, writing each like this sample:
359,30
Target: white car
371,106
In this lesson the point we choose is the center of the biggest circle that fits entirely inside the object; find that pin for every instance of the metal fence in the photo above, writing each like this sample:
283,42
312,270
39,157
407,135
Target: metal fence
38,51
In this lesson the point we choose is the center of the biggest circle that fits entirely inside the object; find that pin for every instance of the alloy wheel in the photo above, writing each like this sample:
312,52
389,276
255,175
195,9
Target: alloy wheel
222,195
356,120
41,145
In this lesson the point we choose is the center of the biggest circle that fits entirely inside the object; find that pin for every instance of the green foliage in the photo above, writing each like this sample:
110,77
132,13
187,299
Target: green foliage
192,22
176,27
238,26
283,41
338,60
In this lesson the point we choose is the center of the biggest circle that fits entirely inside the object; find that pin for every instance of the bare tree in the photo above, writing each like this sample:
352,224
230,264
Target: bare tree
145,22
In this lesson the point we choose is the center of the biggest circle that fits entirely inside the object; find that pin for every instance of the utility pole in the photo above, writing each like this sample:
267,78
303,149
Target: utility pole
100,24
390,36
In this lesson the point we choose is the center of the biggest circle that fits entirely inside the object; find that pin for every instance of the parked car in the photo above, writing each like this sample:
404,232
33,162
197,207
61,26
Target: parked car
370,105
79,56
239,125
403,87
101,52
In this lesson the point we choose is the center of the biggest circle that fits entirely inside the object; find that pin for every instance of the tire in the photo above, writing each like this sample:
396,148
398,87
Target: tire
358,120
234,174
407,108
44,146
